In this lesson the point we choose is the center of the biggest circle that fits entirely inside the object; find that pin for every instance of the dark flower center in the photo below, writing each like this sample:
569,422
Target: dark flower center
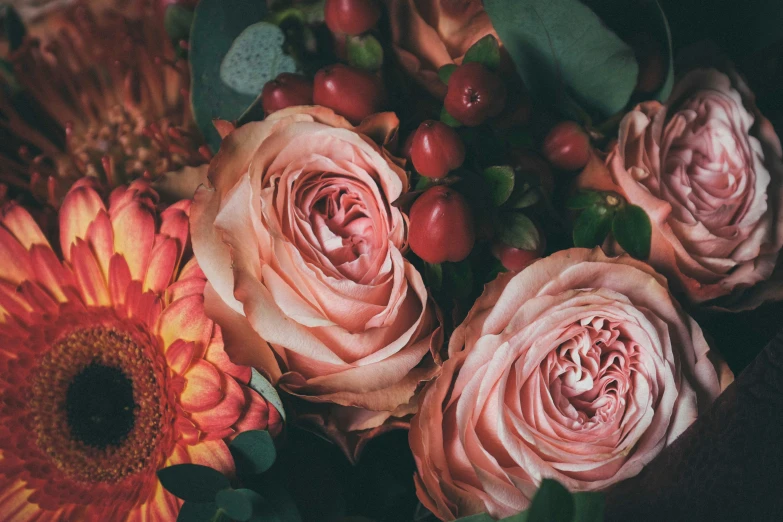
99,406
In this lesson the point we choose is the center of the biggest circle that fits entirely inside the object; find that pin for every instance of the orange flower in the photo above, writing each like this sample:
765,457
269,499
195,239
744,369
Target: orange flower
100,94
109,368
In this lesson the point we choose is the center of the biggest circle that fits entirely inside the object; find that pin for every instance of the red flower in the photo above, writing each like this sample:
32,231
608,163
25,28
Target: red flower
109,368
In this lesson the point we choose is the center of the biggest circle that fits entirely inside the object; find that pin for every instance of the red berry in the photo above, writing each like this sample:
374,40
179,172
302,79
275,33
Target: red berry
287,90
567,146
514,259
350,92
405,152
441,226
530,164
352,17
474,94
436,149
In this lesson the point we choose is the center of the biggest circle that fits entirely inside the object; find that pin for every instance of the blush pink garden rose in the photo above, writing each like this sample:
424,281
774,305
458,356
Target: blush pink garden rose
302,249
580,368
428,34
706,166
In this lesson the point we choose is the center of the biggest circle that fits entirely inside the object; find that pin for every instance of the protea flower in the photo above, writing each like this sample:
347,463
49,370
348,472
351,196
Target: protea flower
109,367
102,94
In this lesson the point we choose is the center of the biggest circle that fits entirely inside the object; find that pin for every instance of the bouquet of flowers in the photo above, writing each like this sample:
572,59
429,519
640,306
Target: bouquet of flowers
386,260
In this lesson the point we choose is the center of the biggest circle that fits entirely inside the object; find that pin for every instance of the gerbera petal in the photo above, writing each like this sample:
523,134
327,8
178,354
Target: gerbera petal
89,275
185,319
203,387
16,259
119,279
163,261
22,225
175,223
214,454
217,355
50,272
100,236
134,235
179,356
226,412
256,416
81,206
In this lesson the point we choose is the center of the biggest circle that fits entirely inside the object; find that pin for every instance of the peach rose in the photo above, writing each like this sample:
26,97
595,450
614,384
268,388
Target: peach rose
580,368
706,167
428,34
302,250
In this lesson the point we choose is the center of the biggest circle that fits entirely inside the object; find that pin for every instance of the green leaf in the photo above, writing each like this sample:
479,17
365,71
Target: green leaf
177,22
665,89
259,383
518,231
422,183
486,52
592,226
433,274
631,228
193,482
364,52
500,180
519,517
448,119
216,23
240,504
197,512
254,452
552,503
278,505
562,44
444,73
588,507
255,57
584,199
11,26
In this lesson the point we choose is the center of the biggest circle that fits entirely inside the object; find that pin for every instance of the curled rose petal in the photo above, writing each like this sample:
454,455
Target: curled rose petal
579,368
706,166
302,249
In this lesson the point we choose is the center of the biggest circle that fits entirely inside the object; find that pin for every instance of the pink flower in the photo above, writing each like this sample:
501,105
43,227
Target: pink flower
302,250
429,34
580,368
706,167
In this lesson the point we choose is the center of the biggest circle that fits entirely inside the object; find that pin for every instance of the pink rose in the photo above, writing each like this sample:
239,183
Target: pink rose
429,34
302,250
579,368
706,167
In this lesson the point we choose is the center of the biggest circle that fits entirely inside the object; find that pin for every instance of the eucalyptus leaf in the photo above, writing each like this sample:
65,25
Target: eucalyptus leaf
253,451
197,512
552,503
592,226
193,482
254,58
486,52
240,504
584,199
259,383
588,507
364,52
444,73
517,230
216,23
632,230
562,45
500,180
519,517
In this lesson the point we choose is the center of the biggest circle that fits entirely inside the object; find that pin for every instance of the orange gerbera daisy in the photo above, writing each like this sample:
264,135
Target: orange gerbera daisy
96,93
109,368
